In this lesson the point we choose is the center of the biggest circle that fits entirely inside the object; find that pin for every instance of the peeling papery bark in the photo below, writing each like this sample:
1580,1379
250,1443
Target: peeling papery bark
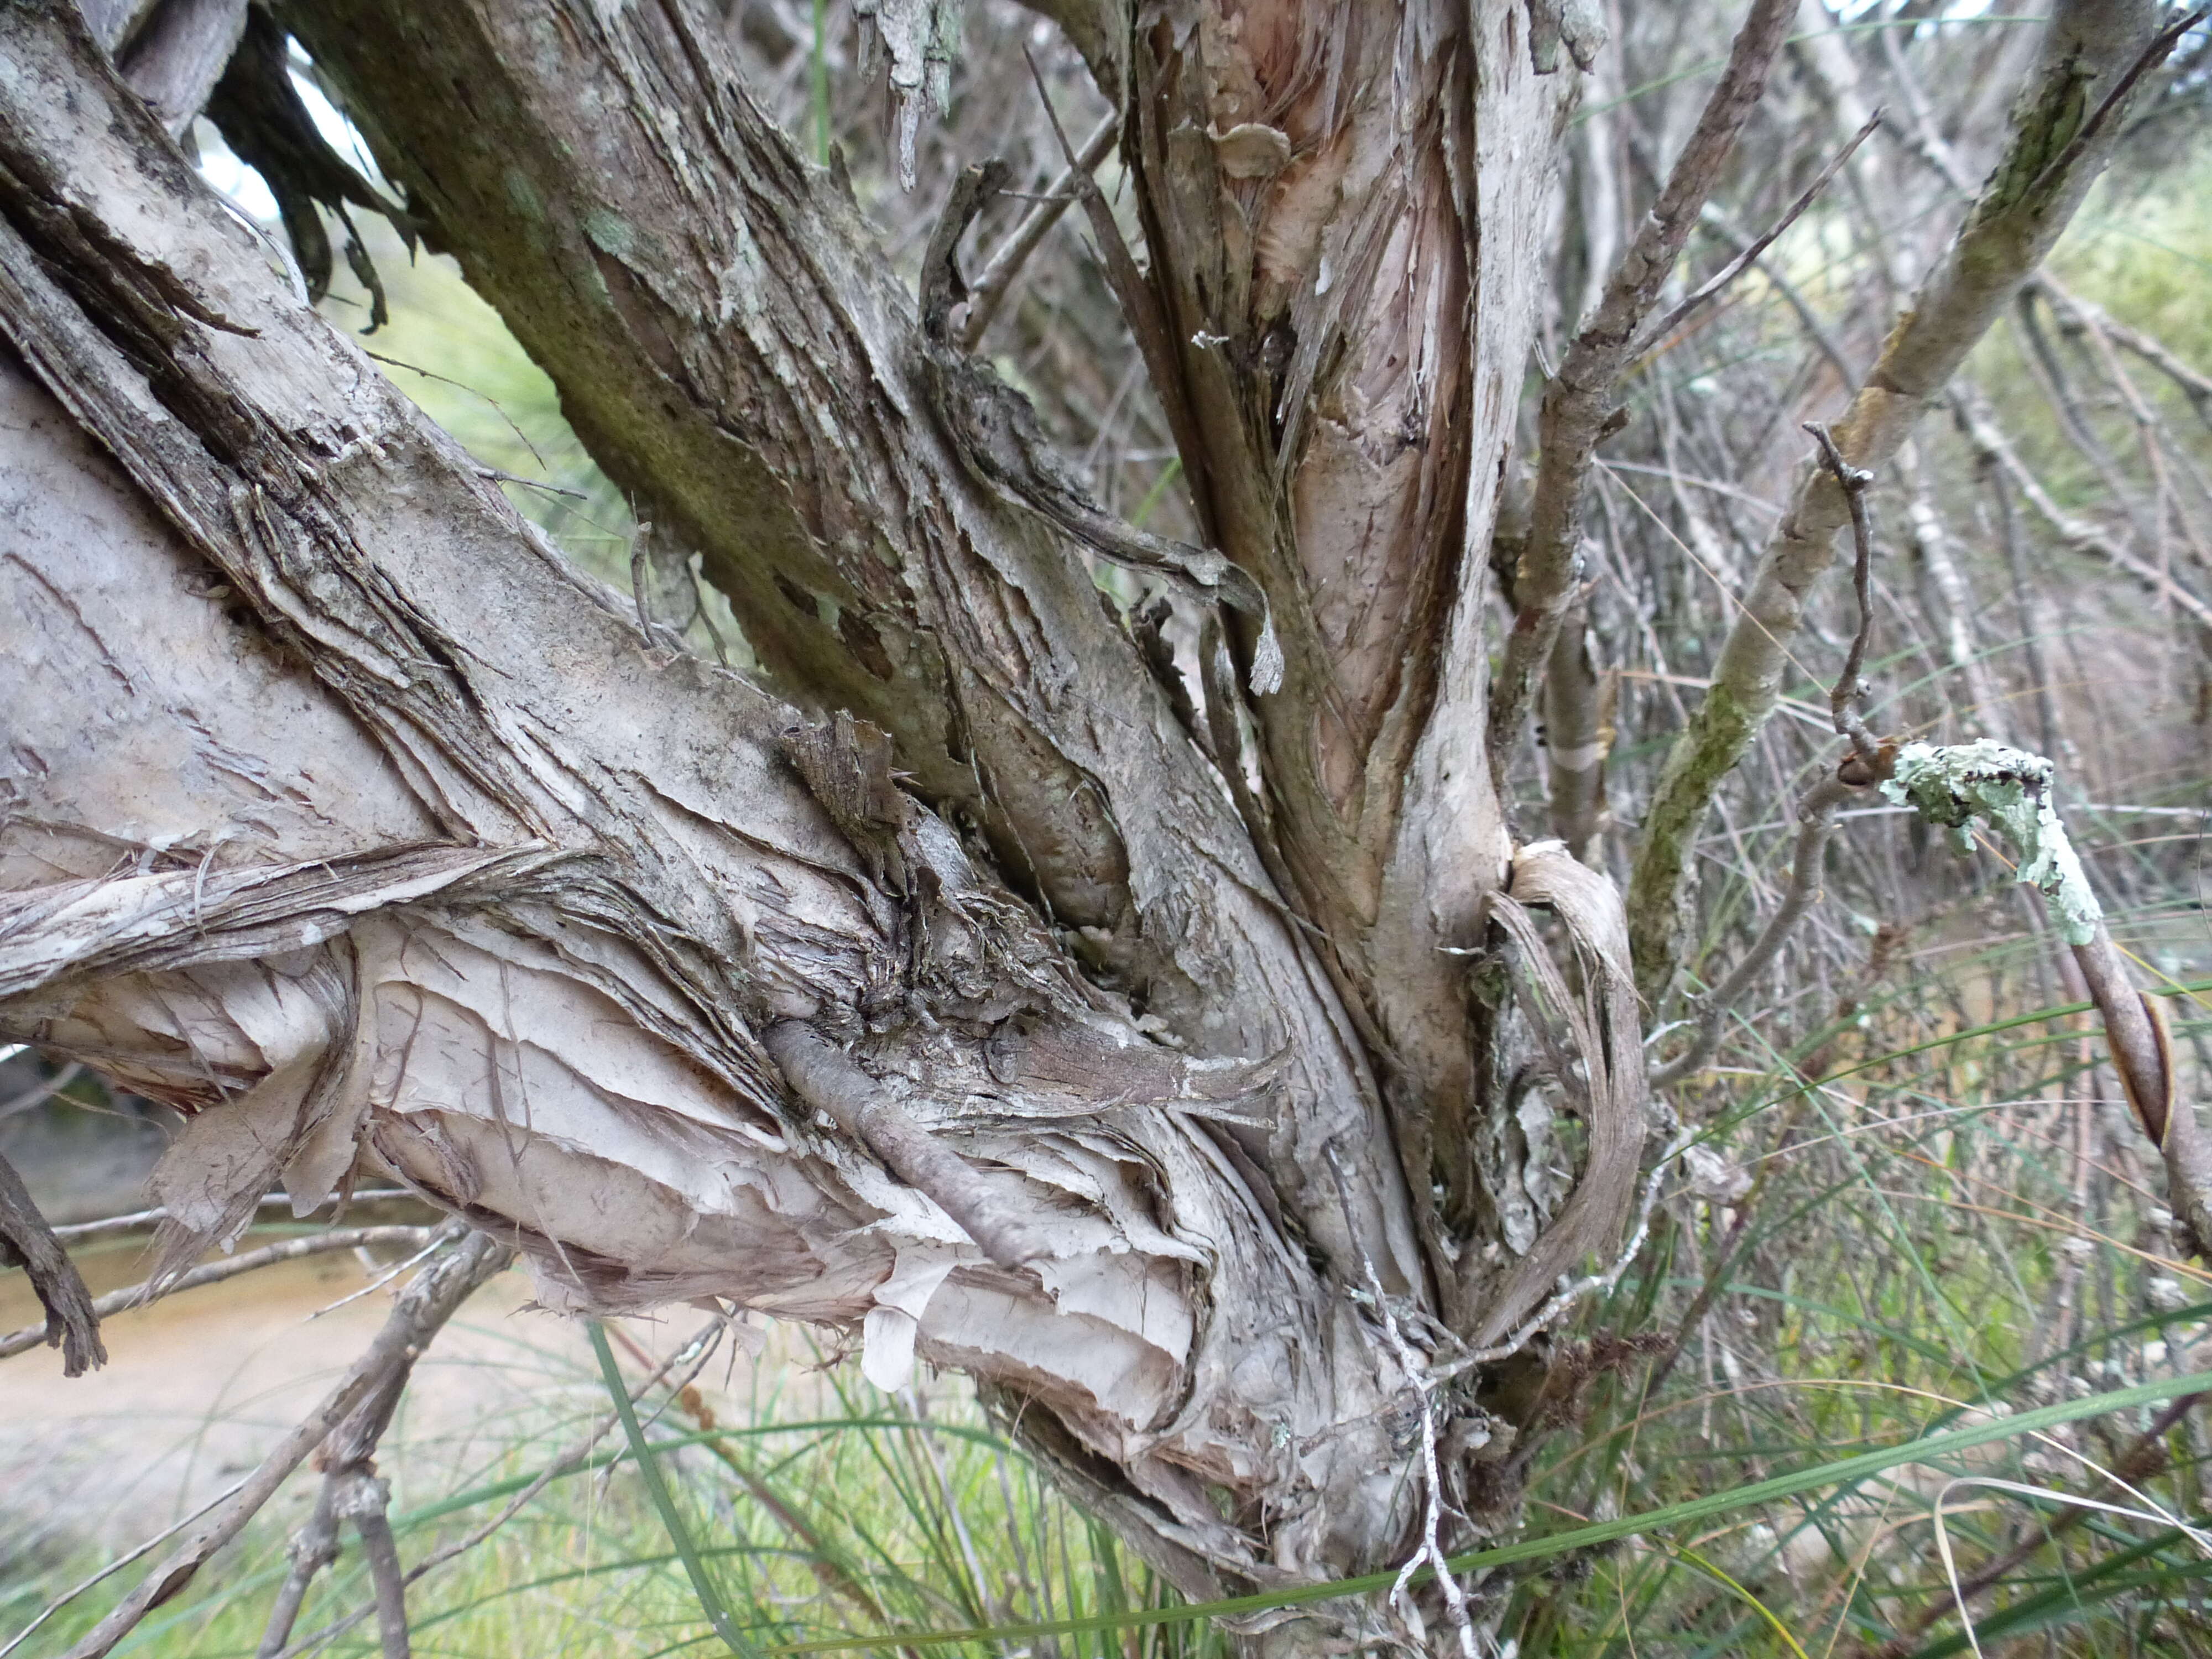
730,342
345,817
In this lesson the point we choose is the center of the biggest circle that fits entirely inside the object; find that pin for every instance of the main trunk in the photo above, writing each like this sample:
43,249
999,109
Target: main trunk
957,982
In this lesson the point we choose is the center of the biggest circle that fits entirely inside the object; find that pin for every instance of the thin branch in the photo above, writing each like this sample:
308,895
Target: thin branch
1816,817
40,1093
116,1566
1851,688
695,1352
1735,267
2011,227
1991,444
819,1075
2078,314
422,1308
2151,56
314,1547
1141,310
214,1272
79,1231
1580,406
72,1316
364,1505
988,291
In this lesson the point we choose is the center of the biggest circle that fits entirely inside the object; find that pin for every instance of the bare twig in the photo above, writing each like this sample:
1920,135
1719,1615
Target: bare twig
1850,689
1681,313
314,1547
214,1272
40,1093
695,1352
988,291
2151,56
114,1567
363,1504
1995,451
2078,314
72,1316
422,1308
79,1231
1141,310
1816,818
351,1491
2014,223
1580,406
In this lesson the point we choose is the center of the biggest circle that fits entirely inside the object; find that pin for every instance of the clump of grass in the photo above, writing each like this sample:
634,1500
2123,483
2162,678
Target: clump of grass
829,1511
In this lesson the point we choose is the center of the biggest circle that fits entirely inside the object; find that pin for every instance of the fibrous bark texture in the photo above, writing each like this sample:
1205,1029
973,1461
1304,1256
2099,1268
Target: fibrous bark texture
1179,1049
939,986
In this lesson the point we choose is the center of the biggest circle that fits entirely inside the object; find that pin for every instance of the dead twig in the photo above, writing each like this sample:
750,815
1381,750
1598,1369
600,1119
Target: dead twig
422,1311
79,1231
351,1491
1141,310
1581,406
1816,819
1746,255
1850,689
695,1352
988,291
72,1316
214,1272
116,1566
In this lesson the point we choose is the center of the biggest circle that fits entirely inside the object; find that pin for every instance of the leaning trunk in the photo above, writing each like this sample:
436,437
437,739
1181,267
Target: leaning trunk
949,984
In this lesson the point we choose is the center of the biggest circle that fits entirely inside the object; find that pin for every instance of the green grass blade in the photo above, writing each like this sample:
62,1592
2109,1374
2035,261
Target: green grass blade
1839,1473
679,1535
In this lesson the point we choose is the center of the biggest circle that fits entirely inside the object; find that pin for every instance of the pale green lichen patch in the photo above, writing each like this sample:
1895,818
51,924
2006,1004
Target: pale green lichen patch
2010,790
609,232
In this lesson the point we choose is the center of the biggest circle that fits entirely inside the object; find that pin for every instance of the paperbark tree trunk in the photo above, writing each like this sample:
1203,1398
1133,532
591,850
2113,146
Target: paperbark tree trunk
1176,1055
941,986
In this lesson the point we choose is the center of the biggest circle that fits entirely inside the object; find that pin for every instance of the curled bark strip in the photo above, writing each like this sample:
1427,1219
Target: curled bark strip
72,1318
146,924
1602,1021
259,110
2142,1054
997,434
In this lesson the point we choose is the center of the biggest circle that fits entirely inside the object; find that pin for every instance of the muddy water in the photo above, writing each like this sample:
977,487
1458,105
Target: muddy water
199,1386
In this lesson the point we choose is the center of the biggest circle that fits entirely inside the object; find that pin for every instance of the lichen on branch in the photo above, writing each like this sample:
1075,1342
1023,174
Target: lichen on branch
2010,790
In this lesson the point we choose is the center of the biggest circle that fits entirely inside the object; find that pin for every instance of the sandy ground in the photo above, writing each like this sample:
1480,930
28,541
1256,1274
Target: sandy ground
199,1387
